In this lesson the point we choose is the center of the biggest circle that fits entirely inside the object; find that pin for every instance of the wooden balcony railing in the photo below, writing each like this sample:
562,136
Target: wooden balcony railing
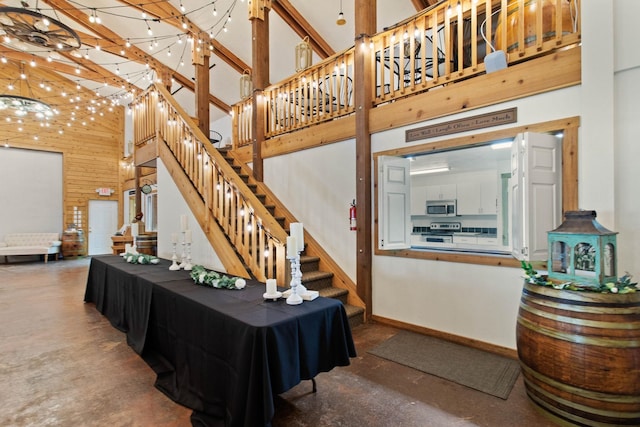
440,45
258,238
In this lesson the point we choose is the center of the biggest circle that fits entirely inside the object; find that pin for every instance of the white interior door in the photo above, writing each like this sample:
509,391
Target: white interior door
103,223
536,190
394,203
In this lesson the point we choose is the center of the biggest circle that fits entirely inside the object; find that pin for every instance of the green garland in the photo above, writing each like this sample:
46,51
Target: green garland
140,258
621,286
201,276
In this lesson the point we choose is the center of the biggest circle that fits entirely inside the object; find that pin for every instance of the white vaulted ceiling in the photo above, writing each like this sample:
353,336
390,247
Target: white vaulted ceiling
123,20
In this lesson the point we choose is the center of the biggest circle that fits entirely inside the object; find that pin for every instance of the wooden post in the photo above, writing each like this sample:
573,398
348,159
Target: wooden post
259,16
200,58
365,25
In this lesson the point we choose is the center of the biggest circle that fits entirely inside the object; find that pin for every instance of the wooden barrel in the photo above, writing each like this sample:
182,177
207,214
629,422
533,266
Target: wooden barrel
580,354
72,244
147,244
512,23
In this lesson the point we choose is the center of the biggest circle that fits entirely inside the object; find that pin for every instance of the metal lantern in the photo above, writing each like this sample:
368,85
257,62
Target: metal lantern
303,55
246,85
582,251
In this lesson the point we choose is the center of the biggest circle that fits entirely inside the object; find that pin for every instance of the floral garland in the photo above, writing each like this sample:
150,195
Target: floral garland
140,258
621,286
201,276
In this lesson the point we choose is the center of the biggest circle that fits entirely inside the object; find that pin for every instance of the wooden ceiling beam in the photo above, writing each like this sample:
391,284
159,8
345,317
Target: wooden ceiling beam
301,26
172,16
89,73
423,4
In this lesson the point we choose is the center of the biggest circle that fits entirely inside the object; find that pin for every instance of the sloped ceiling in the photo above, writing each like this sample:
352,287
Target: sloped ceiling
109,69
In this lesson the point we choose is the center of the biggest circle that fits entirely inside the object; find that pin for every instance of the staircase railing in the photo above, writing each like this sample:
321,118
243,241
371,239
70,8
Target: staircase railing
442,44
257,236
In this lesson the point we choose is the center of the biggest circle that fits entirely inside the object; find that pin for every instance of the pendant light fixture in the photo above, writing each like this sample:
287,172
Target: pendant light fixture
246,85
303,54
341,20
26,27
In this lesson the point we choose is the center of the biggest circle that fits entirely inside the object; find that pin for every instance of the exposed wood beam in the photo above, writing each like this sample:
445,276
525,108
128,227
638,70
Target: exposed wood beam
91,71
301,26
172,16
423,4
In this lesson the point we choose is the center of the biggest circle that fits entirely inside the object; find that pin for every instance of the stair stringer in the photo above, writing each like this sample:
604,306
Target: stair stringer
233,264
312,247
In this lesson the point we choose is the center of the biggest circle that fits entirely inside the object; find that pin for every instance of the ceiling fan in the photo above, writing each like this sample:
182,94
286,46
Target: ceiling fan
35,29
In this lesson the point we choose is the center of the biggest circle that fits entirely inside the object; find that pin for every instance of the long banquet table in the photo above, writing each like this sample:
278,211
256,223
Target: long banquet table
224,353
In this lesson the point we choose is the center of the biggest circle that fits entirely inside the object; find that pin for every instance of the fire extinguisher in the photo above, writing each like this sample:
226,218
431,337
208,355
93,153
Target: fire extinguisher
352,216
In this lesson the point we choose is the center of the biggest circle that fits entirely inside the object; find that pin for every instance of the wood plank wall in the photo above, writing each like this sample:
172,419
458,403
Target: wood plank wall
91,152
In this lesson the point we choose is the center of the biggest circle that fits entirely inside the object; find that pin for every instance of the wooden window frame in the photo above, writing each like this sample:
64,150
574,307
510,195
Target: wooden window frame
569,128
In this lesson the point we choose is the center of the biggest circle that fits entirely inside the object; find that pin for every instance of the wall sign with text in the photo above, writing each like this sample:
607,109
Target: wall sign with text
497,118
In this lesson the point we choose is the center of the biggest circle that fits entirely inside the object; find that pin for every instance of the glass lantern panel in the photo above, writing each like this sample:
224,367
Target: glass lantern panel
585,260
609,260
561,257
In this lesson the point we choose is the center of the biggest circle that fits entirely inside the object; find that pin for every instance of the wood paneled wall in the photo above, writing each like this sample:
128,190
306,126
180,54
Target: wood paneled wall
92,151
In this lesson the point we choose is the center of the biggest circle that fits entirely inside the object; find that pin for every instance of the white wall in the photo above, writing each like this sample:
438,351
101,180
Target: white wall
224,127
318,186
171,205
31,191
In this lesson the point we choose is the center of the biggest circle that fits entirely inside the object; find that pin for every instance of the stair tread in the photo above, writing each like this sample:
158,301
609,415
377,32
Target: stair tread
308,258
310,276
353,310
331,292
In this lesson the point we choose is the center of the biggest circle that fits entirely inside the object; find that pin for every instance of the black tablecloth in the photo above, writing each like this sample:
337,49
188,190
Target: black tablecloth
224,353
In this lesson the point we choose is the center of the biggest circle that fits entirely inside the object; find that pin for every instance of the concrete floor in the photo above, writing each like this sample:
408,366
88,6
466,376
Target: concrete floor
63,364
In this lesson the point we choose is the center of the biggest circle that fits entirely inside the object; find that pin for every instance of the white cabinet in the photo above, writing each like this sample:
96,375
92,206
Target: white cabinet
419,200
478,198
441,192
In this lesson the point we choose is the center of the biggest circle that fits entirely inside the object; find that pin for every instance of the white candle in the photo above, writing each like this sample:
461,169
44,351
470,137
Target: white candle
127,248
174,237
187,236
297,231
183,223
134,229
291,247
271,287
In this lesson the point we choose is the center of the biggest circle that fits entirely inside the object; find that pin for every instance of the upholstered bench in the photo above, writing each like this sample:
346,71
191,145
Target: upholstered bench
31,244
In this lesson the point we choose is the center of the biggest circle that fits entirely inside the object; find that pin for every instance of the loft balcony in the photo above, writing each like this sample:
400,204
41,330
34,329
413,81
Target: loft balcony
441,48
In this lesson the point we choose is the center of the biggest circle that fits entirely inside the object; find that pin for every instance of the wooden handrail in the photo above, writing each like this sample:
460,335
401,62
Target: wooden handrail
442,44
257,236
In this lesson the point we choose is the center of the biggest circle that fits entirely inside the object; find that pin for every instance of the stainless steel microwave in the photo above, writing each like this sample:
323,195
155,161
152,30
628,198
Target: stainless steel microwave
441,208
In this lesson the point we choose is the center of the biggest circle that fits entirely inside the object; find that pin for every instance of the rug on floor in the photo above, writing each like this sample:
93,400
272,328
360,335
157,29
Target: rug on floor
477,369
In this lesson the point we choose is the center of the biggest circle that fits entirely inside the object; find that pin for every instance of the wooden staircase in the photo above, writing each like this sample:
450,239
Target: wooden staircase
313,276
243,220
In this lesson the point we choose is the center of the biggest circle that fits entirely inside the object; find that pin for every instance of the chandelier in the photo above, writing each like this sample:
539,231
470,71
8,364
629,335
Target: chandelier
19,26
24,106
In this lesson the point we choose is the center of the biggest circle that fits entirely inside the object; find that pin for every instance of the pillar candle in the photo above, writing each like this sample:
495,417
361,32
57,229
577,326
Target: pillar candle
174,237
271,287
292,248
187,236
183,223
297,231
134,229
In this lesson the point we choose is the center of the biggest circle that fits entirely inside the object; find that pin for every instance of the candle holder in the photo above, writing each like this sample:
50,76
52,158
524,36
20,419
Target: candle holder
187,265
183,258
296,275
174,265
